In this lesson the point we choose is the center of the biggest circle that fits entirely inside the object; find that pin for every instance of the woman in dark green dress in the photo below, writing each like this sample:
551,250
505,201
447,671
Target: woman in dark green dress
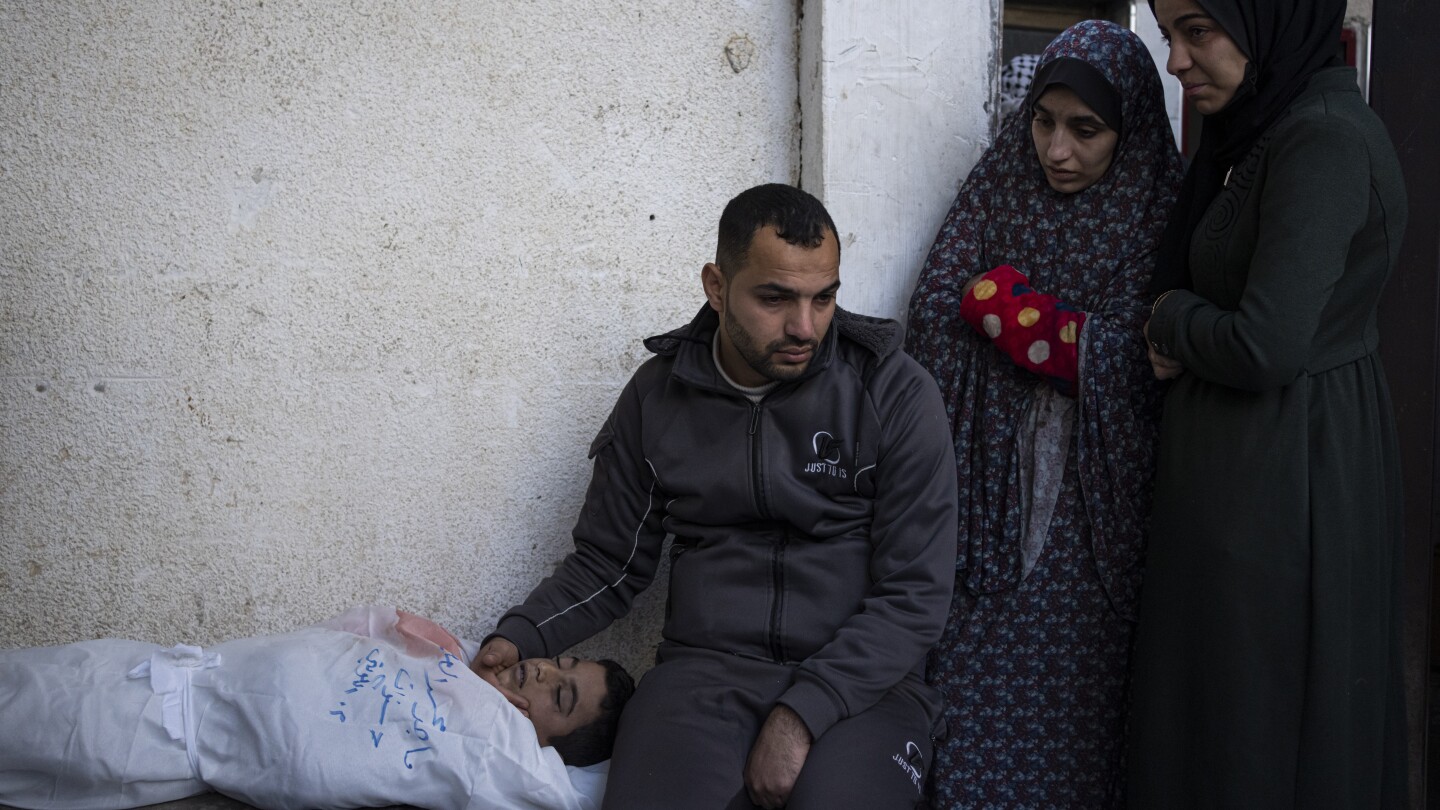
1267,659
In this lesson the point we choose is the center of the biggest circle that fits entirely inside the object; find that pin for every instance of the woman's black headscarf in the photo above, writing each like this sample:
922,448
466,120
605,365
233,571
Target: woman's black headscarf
1086,82
1286,41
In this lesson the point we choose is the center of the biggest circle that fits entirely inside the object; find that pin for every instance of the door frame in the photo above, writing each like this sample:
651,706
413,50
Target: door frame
1404,35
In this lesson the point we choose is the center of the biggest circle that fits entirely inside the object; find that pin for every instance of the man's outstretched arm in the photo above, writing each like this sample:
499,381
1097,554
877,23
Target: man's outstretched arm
617,544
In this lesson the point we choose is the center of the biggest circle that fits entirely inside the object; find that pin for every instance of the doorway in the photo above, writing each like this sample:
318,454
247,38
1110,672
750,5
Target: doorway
1404,33
1027,27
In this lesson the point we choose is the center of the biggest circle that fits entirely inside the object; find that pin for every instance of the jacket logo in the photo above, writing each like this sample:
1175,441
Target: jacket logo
827,455
911,763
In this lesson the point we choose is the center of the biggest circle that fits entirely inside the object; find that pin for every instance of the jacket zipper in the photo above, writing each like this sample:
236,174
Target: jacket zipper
777,605
755,471
777,551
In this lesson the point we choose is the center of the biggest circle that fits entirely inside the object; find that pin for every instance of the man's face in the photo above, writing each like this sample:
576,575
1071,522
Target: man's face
564,693
775,310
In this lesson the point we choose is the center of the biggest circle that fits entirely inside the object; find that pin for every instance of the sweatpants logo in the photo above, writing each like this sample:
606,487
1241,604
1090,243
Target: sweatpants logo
911,762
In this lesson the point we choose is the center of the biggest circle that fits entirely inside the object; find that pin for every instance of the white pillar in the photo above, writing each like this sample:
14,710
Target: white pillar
1142,22
895,100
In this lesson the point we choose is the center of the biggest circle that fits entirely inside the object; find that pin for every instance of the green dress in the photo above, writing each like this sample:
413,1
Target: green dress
1267,665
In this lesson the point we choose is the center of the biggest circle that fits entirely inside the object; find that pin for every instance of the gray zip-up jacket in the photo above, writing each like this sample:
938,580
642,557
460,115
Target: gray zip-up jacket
814,529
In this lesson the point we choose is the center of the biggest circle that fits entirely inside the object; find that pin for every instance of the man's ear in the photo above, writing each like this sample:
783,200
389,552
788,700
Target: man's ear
715,286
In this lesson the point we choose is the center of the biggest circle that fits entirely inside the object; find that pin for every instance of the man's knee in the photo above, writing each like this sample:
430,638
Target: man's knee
680,739
879,758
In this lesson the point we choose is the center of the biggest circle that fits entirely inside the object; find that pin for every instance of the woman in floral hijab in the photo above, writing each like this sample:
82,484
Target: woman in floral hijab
1028,313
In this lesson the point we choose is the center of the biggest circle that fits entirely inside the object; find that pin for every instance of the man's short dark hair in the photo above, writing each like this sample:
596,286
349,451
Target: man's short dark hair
796,216
593,743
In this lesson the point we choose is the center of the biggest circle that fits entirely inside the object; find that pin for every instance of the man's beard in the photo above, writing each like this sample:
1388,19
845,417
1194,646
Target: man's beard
759,360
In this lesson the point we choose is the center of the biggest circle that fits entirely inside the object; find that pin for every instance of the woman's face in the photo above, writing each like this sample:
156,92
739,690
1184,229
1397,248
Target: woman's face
1075,146
1202,56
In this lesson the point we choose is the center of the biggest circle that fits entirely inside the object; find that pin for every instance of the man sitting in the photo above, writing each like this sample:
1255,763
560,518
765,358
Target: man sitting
803,464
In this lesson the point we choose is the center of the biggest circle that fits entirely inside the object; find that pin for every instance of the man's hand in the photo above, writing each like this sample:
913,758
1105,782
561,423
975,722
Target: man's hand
777,758
498,654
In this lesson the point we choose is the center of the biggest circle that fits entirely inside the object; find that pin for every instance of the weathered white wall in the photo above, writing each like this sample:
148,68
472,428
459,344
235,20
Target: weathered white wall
303,305
307,304
1142,22
896,98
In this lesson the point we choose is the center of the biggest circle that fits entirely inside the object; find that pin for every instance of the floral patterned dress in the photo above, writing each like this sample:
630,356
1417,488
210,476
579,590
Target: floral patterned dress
1053,409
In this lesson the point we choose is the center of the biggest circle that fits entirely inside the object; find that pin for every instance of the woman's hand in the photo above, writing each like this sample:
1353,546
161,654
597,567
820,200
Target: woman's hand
1164,367
970,285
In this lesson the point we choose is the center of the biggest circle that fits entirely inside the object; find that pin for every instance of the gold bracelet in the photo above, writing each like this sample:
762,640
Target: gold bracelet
1161,350
1156,305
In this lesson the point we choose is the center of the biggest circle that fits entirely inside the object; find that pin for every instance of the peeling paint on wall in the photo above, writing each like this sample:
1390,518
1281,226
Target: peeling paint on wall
249,196
739,51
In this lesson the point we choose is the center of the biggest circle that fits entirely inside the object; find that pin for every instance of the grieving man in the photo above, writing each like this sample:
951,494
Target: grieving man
803,464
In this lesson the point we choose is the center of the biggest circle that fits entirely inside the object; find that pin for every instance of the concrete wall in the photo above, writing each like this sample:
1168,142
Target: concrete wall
310,304
899,93
1142,22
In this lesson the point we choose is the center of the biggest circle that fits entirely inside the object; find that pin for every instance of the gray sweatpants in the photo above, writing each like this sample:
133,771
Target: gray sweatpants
687,733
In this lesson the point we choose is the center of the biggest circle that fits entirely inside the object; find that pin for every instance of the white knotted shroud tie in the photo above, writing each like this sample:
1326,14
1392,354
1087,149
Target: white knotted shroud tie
170,672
